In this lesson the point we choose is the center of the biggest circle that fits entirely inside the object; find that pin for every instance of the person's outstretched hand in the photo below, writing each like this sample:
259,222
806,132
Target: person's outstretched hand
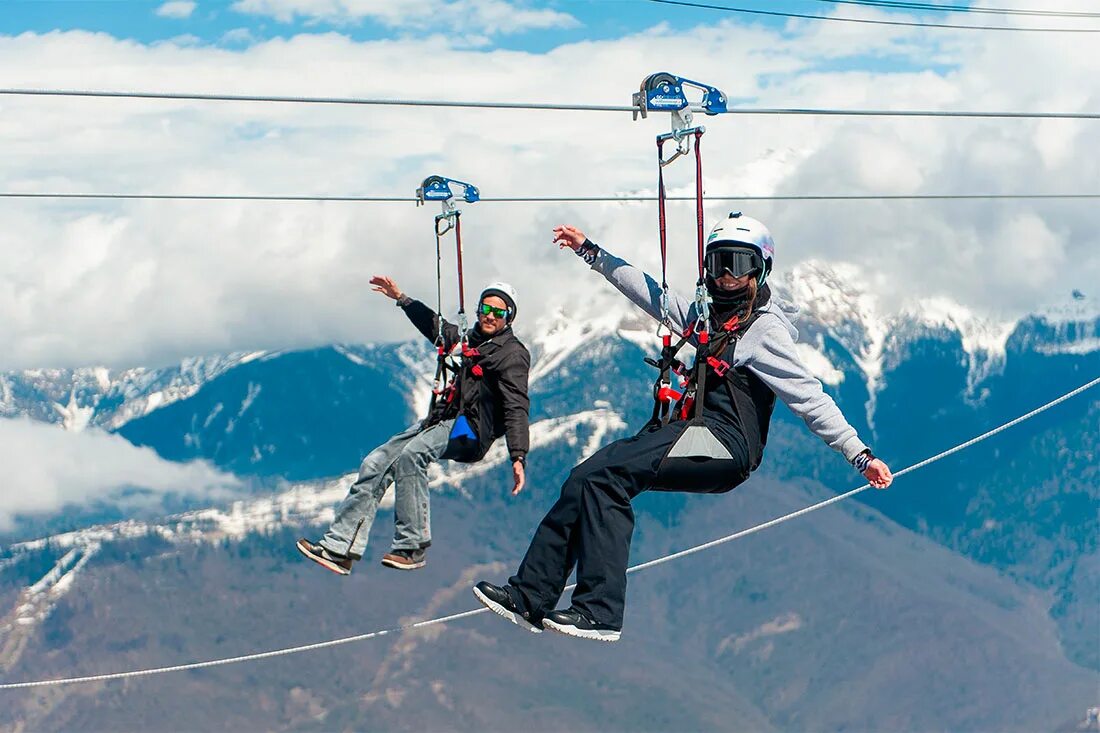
878,474
519,476
385,285
568,236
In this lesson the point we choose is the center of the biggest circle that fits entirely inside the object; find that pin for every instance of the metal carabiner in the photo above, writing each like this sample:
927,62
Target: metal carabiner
682,136
448,218
702,307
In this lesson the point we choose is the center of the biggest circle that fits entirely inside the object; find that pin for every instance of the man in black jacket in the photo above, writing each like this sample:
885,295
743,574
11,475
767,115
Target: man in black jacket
487,399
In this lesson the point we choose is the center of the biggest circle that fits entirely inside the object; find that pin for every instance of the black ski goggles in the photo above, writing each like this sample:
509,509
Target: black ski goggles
485,309
737,262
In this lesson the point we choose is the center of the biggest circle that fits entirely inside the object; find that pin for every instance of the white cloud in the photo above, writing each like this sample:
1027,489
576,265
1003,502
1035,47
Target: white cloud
45,468
150,282
178,9
242,36
450,16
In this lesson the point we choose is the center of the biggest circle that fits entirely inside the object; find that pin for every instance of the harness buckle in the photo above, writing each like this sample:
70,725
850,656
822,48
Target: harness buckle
719,366
686,405
732,323
665,393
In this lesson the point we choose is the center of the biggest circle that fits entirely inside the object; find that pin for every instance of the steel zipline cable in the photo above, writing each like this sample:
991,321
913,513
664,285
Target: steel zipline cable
902,5
548,199
871,21
534,106
476,611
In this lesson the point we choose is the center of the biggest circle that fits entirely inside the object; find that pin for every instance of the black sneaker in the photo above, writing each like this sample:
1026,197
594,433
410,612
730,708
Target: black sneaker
338,564
405,559
500,602
572,622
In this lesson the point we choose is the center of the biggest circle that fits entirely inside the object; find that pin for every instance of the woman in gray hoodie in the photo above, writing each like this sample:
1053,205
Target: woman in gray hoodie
709,441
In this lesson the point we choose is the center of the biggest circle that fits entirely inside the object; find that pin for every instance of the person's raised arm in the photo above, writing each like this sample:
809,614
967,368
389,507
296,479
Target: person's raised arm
640,288
771,355
423,317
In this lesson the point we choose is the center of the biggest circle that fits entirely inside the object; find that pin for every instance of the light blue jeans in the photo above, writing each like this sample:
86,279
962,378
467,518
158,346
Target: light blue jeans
402,461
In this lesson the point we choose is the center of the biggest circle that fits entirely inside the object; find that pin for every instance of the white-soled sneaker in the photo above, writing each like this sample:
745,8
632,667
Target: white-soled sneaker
572,622
500,602
328,560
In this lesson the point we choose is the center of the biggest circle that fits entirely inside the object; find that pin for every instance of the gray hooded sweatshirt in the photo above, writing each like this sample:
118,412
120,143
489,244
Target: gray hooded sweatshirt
766,348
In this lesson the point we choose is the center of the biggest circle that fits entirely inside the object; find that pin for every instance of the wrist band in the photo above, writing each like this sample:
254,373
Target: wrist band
863,460
588,251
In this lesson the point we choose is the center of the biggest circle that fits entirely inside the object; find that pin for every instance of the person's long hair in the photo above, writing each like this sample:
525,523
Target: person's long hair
750,302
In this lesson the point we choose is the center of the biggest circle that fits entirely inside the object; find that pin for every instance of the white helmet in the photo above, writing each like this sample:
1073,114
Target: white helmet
738,229
505,292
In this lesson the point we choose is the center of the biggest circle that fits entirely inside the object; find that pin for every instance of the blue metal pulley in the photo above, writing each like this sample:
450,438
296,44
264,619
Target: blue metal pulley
664,92
438,188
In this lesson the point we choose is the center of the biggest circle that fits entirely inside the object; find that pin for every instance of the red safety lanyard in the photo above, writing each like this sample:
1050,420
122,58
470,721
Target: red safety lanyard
664,396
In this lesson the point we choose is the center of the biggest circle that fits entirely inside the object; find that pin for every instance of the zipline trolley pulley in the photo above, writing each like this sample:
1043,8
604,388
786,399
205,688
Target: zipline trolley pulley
664,92
439,188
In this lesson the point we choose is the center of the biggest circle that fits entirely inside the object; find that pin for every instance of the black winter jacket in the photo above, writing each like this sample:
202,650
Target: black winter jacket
492,385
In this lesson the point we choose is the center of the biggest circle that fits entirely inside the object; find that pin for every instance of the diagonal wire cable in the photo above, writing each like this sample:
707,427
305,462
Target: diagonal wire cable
536,106
870,21
549,199
474,612
901,5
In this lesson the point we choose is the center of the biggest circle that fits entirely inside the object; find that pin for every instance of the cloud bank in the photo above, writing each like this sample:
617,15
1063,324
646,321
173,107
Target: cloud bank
46,468
151,282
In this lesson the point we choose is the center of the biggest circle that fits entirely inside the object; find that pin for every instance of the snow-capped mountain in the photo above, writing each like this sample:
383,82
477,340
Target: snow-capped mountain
836,314
77,398
999,545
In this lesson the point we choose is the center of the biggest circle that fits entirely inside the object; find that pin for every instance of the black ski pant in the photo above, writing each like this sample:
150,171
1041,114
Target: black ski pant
591,524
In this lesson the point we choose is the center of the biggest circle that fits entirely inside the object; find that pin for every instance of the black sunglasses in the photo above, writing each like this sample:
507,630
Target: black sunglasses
736,262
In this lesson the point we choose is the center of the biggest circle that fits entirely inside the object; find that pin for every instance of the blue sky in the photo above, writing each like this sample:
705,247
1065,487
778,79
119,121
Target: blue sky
211,20
223,24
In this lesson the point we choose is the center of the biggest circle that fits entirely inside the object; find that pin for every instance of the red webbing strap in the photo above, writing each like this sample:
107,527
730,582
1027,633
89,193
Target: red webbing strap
699,200
662,224
458,247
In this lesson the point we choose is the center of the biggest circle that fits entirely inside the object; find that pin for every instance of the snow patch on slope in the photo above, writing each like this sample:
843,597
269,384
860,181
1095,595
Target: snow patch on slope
37,602
559,334
818,364
983,339
832,296
74,417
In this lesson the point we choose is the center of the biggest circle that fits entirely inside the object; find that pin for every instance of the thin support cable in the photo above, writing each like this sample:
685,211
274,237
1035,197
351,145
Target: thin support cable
562,107
900,5
474,612
546,199
870,21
